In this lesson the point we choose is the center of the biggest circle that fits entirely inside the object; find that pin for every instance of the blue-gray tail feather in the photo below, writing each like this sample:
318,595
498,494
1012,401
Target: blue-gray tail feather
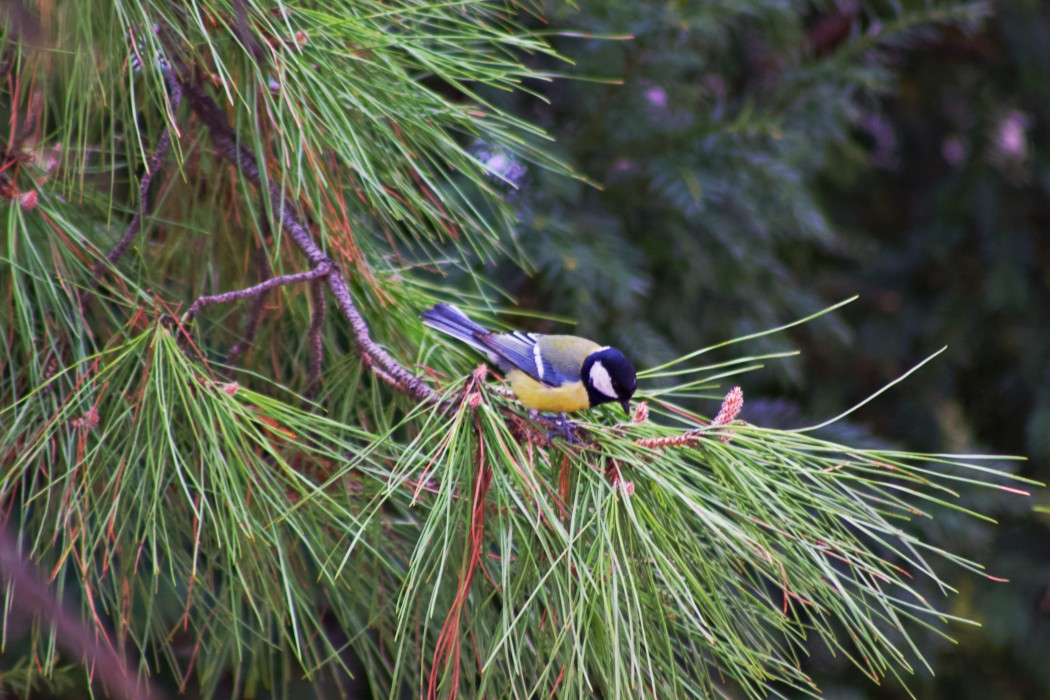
451,321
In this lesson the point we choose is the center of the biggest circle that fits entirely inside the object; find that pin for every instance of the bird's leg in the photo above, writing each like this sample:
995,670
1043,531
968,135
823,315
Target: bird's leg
565,429
562,427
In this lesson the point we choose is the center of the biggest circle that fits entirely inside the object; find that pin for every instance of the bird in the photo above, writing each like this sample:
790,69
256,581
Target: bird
548,373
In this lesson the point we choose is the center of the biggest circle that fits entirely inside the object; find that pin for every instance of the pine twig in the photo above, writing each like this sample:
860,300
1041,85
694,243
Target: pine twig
321,270
241,27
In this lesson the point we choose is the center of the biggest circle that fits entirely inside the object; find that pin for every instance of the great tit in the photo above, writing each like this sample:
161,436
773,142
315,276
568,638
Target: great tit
553,373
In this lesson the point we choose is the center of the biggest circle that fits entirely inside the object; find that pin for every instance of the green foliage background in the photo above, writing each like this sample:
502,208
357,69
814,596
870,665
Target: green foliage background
757,161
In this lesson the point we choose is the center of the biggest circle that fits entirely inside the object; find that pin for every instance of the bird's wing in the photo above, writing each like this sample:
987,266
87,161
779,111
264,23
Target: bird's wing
522,350
566,353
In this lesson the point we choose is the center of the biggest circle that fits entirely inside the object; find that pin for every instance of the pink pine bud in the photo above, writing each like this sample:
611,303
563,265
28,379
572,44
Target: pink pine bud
731,406
89,421
28,200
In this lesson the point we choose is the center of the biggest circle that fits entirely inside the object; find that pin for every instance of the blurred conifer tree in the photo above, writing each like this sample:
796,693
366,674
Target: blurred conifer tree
758,160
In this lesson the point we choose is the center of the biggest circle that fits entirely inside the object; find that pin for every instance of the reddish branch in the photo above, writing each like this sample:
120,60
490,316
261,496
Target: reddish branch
447,648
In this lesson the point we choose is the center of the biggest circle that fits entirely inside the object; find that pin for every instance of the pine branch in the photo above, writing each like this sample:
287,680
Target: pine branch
227,145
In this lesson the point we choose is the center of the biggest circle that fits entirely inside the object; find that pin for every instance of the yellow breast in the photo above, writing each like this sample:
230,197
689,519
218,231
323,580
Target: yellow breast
552,399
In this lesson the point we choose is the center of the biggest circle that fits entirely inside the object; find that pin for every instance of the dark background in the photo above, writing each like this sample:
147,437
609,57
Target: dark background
758,162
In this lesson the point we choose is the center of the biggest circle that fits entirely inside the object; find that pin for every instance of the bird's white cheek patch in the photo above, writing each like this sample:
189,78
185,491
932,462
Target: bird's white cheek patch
601,380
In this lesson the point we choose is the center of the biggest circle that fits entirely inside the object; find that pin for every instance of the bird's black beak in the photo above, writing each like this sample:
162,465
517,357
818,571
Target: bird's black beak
626,403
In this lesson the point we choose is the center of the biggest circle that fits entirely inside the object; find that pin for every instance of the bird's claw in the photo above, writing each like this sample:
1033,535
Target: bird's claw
565,429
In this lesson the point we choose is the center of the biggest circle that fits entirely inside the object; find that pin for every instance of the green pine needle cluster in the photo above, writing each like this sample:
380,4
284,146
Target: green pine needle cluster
215,529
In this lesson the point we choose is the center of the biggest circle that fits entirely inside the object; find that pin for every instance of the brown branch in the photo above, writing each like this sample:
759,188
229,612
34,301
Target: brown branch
225,142
322,269
30,596
243,31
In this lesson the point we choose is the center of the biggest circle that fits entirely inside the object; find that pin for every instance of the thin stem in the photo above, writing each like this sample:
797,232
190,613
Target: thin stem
255,311
730,409
152,167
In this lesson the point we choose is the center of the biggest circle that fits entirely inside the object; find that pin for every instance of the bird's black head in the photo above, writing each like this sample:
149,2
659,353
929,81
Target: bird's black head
609,376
